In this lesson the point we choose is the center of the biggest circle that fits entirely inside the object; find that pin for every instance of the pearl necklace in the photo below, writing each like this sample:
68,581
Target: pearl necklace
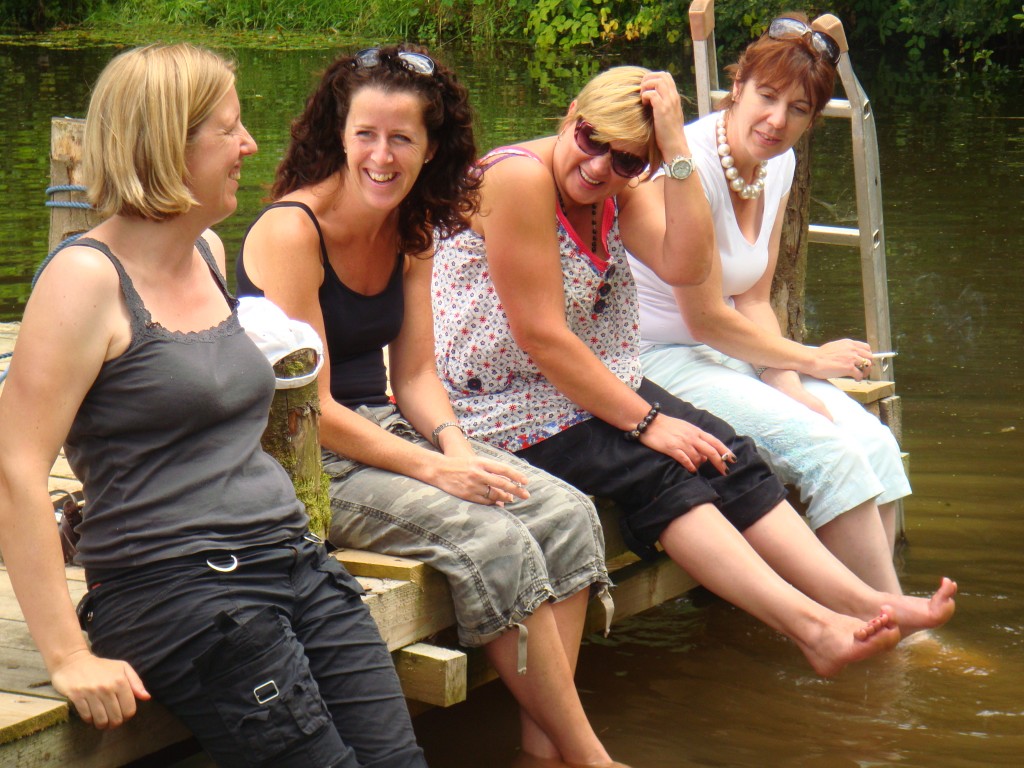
732,174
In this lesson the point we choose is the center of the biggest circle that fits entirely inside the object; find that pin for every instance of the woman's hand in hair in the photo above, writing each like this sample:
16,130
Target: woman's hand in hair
658,91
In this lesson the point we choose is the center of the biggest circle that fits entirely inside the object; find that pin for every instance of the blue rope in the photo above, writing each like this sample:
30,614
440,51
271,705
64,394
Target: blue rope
3,373
66,203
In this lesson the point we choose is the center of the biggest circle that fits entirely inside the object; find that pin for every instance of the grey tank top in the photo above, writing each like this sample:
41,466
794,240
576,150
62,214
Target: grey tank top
167,444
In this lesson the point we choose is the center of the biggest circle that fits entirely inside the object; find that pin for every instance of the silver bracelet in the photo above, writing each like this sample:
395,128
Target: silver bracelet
440,428
759,370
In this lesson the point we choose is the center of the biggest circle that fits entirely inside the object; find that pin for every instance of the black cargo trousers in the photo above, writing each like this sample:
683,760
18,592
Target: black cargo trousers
269,656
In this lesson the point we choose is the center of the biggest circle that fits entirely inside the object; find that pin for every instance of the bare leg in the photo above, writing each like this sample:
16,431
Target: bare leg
858,538
569,615
888,514
711,550
789,546
547,691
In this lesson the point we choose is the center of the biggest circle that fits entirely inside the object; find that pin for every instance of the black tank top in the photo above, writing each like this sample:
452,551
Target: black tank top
358,327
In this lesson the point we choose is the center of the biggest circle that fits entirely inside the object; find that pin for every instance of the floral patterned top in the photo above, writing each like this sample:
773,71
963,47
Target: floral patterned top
498,393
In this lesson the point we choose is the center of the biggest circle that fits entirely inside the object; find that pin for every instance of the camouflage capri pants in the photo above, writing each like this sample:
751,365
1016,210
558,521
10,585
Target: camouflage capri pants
501,563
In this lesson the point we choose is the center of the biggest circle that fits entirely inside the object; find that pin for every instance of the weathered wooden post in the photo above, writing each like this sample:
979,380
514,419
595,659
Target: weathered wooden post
70,214
292,437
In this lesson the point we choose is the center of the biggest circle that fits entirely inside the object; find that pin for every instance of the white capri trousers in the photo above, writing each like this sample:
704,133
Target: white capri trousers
835,465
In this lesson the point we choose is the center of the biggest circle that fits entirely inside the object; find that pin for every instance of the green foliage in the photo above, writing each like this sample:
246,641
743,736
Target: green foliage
963,34
957,37
570,23
37,15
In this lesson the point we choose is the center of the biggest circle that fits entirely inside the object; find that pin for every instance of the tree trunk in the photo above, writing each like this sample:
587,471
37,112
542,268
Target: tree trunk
790,278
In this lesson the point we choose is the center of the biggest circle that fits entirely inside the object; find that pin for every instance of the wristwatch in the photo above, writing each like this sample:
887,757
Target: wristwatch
679,168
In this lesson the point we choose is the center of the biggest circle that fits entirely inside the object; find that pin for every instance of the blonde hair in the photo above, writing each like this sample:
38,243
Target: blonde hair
611,103
144,111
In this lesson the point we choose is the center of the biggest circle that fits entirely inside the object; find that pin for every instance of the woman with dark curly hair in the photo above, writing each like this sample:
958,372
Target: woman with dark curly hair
376,167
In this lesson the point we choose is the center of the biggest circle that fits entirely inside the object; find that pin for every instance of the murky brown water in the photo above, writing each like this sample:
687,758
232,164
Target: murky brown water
696,682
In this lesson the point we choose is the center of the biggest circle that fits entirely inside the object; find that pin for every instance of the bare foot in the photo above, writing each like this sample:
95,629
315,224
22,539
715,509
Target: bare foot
917,613
846,640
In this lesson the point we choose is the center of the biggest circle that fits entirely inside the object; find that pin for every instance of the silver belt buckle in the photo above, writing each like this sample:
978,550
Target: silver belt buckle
223,568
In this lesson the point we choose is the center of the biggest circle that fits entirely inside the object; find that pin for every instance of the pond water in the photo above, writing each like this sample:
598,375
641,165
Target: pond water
696,682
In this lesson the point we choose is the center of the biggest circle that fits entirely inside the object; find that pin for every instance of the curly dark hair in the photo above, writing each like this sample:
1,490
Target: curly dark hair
445,195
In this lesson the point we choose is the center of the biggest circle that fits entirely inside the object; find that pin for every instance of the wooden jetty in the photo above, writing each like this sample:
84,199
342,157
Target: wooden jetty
409,601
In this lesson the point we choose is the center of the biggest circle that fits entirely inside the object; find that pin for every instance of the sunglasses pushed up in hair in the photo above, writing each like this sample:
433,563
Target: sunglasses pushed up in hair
627,165
784,28
419,63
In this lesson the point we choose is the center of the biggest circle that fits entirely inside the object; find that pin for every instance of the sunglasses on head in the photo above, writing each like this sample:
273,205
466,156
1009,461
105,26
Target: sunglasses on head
419,63
785,28
627,165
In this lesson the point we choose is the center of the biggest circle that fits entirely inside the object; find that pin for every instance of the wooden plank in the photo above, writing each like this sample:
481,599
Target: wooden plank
22,715
73,743
363,563
865,392
406,612
431,674
891,413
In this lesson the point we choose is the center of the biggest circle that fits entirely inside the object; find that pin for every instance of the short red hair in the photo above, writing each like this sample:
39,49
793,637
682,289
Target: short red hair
782,63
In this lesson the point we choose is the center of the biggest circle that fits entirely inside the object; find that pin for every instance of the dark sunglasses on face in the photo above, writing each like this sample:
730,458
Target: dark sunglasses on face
785,28
627,165
419,63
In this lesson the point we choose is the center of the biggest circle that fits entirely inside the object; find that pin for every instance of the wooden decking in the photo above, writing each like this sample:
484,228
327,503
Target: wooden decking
409,601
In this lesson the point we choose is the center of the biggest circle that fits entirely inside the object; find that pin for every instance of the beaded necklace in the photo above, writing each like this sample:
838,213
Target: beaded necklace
593,220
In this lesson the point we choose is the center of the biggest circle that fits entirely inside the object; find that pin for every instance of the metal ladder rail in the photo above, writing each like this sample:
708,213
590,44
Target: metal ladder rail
869,234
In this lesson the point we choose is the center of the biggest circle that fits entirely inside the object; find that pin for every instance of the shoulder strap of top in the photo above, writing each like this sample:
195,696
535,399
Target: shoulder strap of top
495,156
140,315
207,254
312,217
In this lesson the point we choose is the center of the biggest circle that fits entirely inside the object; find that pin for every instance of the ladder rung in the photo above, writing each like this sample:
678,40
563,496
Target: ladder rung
819,233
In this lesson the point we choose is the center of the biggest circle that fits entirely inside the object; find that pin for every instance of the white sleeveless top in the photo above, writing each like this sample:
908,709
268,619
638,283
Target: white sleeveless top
743,263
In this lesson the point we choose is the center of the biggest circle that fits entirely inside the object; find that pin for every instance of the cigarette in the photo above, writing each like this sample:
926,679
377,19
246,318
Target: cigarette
882,355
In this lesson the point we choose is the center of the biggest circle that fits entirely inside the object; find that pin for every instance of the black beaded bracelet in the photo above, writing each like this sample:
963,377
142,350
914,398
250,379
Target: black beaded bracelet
634,434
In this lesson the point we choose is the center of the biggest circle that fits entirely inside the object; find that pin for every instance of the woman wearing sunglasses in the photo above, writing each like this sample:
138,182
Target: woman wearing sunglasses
729,356
376,166
535,318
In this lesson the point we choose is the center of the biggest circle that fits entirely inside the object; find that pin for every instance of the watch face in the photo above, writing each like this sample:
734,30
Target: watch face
681,168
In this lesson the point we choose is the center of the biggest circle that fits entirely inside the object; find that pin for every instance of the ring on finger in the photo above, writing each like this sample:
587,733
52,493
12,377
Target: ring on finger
487,495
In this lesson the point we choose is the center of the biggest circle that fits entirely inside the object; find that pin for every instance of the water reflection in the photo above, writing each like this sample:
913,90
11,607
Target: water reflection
698,683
